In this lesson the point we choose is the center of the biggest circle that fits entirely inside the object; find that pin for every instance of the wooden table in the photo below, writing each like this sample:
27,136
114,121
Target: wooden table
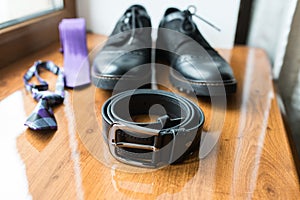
252,158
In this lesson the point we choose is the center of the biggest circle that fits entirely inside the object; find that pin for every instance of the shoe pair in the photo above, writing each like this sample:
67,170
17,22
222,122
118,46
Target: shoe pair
194,63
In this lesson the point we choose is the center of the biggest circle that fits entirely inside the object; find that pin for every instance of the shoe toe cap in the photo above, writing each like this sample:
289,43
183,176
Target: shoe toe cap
117,64
199,69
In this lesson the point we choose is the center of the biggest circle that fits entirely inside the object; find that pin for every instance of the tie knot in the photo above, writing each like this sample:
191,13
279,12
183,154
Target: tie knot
50,97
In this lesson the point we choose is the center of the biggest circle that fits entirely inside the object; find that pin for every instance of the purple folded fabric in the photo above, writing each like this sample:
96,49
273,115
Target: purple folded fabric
73,43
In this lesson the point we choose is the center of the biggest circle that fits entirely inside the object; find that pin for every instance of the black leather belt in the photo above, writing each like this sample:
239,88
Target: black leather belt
175,134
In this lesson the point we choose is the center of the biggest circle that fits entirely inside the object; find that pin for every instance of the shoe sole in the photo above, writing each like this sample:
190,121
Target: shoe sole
122,83
202,88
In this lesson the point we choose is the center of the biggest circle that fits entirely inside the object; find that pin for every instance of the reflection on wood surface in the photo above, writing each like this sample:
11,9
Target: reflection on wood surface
251,159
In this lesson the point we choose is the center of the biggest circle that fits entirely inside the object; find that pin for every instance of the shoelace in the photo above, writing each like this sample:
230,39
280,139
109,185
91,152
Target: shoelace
191,11
126,20
133,25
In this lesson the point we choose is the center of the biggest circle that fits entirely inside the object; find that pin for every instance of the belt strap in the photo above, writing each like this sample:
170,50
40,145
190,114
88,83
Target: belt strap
175,134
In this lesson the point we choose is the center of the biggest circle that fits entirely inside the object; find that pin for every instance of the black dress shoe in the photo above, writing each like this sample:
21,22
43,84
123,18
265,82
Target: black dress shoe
195,64
127,53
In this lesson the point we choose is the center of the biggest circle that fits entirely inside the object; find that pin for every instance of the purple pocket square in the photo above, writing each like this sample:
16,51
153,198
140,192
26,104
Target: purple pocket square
73,43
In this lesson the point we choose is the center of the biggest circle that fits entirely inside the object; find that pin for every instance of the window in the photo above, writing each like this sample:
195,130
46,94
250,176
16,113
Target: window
31,35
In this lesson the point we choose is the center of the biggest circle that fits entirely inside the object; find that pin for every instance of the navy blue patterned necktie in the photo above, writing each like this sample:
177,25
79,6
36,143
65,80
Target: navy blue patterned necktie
42,117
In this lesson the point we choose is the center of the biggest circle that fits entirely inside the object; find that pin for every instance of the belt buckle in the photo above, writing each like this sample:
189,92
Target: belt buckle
112,143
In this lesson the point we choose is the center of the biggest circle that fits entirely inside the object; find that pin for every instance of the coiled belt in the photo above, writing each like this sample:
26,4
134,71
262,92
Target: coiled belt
175,134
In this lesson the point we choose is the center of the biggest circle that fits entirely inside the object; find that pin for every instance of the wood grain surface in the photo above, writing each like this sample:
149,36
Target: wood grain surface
250,159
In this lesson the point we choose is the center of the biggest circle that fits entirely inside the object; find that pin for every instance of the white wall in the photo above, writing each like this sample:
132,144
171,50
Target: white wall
101,16
270,27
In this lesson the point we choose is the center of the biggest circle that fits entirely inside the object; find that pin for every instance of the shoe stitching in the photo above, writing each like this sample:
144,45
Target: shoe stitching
124,53
114,78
